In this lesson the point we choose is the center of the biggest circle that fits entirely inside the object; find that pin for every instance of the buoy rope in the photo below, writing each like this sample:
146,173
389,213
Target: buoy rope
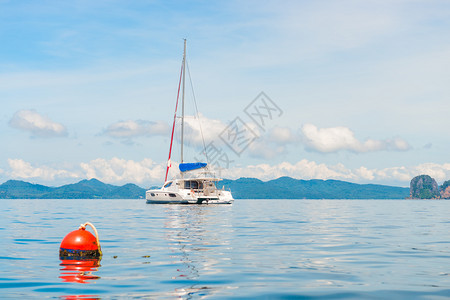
83,226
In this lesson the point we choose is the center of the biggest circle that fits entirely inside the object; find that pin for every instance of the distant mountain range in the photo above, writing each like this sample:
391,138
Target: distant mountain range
85,189
242,188
290,188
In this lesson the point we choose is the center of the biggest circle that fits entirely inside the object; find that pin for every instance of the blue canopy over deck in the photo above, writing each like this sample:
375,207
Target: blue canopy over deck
184,167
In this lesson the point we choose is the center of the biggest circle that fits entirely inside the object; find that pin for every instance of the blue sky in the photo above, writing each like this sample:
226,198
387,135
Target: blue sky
88,88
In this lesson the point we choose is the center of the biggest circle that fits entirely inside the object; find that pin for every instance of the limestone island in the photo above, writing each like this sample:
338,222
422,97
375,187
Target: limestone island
425,187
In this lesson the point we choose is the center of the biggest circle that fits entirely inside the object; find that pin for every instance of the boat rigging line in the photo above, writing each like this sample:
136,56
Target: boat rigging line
197,113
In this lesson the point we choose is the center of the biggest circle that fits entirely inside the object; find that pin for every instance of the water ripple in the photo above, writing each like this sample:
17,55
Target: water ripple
283,249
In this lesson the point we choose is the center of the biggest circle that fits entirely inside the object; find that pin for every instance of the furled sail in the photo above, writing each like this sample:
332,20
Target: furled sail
184,167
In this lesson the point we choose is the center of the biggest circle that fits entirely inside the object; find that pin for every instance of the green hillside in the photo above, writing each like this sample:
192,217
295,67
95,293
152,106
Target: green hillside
242,188
289,188
85,189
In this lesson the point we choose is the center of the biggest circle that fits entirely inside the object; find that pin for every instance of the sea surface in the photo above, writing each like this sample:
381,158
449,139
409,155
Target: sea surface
272,249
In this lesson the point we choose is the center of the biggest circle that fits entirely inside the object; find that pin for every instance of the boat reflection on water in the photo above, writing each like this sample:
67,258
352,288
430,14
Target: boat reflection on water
79,270
192,232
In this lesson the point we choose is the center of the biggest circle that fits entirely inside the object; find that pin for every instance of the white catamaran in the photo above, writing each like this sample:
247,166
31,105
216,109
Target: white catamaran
195,184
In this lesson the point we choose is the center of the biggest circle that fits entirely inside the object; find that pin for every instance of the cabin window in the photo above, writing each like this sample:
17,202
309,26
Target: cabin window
172,195
152,194
192,184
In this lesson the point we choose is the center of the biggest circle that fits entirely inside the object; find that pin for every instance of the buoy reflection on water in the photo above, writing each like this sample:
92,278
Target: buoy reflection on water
80,297
80,270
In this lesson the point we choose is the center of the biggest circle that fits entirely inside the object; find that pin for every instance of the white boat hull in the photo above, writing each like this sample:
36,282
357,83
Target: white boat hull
170,197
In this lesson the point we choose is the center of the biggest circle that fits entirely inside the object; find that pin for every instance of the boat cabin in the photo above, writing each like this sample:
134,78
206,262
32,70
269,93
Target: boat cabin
193,184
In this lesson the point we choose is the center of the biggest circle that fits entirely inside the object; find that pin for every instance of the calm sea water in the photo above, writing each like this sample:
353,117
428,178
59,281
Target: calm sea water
274,249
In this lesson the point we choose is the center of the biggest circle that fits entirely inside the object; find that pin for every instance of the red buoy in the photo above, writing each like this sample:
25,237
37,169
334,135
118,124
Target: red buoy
80,244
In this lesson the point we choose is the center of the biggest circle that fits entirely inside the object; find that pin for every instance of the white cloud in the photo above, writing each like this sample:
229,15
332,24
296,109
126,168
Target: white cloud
265,145
282,135
265,149
195,128
273,143
37,124
305,169
130,129
147,172
438,172
334,139
21,169
114,171
117,170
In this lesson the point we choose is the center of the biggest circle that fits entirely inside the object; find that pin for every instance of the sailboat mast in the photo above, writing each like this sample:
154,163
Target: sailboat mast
182,101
